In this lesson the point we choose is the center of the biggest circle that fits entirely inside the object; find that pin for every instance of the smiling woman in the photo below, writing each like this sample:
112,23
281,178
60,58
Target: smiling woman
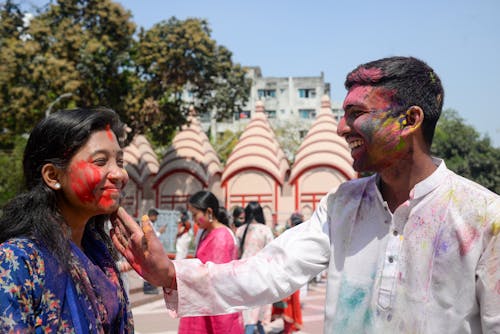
53,242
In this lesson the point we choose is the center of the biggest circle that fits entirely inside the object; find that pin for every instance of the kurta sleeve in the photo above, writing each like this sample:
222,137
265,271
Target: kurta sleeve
488,273
282,267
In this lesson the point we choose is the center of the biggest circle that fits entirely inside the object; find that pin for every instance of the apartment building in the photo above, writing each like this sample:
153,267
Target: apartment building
286,99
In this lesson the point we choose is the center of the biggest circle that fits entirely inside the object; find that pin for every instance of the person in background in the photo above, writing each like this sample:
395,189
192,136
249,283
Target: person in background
183,236
216,244
238,218
58,270
290,308
148,288
253,236
412,248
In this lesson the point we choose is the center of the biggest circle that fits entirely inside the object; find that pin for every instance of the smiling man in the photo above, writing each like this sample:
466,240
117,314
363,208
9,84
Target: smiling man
414,248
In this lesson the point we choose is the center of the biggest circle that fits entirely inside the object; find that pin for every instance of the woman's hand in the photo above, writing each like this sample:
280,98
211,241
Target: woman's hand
142,249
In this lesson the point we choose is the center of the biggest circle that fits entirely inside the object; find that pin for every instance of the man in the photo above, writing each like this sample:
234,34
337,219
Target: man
414,248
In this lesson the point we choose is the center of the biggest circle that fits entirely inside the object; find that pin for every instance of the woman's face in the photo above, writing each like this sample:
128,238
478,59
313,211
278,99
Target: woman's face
95,176
202,219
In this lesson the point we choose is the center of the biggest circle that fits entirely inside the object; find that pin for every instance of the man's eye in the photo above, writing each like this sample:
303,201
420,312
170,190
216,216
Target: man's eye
120,163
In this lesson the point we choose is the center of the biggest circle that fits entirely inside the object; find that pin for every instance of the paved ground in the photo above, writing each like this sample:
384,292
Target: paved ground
151,318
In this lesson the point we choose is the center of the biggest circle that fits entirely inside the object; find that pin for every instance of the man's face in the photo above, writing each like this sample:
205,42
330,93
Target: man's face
372,133
153,218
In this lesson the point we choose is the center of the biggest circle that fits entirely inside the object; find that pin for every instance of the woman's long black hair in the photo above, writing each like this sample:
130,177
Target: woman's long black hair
253,212
34,213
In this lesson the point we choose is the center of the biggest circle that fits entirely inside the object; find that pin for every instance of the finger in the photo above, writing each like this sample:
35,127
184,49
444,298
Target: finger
122,238
147,226
116,241
126,221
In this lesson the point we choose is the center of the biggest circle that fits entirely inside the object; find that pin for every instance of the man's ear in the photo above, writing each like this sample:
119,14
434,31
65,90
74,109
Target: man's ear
412,120
51,175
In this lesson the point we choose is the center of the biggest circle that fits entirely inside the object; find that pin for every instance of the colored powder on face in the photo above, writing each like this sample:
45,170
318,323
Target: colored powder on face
84,178
106,200
109,133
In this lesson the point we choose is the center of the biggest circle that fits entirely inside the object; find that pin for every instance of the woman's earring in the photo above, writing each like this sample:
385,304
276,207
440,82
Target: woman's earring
57,186
210,218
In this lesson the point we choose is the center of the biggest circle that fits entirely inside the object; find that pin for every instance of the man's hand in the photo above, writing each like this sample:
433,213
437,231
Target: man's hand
142,249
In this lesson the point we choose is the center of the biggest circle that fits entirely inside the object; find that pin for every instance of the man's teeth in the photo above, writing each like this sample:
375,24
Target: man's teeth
355,143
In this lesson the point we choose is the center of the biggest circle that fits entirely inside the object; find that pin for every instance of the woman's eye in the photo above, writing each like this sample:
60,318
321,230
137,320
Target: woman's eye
100,162
120,163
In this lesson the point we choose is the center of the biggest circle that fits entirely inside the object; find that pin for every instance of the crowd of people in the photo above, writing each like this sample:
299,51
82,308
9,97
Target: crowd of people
412,248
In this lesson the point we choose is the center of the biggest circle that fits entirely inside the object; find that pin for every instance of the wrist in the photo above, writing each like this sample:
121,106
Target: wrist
171,282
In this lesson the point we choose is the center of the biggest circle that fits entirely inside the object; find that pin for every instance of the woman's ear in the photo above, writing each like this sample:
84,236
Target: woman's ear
51,175
210,214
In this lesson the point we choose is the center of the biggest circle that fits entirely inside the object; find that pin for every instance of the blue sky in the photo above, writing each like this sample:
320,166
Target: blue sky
460,39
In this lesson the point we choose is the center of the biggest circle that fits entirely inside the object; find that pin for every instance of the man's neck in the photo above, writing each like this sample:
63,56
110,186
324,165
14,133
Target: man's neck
398,180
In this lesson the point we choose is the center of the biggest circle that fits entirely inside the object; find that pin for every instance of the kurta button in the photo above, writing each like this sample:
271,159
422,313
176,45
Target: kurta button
391,259
395,233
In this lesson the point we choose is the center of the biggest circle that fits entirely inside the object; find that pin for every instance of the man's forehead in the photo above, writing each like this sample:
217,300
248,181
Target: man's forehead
366,96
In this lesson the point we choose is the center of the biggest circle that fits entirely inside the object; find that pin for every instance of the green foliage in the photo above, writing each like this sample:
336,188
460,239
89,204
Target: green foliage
177,56
11,179
465,152
225,143
290,135
81,53
74,48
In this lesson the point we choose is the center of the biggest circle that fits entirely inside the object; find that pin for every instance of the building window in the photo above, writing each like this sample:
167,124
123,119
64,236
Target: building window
307,93
307,113
271,113
242,115
266,93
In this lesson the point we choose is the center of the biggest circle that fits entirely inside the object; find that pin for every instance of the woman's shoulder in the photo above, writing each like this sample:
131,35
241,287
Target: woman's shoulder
20,247
21,256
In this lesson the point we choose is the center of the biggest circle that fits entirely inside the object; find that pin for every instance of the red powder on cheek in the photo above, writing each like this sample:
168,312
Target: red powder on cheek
202,220
84,178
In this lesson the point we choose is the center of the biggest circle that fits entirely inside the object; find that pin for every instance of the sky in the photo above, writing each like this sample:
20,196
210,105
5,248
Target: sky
460,39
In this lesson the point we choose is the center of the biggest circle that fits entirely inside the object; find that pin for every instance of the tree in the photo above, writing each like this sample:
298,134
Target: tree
465,152
177,58
225,143
73,48
11,178
290,134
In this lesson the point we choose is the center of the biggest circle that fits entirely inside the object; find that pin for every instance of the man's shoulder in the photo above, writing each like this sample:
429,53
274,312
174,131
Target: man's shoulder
354,185
471,189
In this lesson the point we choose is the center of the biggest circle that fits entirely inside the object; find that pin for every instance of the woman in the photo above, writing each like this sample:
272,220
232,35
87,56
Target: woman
57,267
215,244
238,218
290,309
254,235
183,238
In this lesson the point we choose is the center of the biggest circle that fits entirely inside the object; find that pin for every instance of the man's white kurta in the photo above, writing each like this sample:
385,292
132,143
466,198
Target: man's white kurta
432,266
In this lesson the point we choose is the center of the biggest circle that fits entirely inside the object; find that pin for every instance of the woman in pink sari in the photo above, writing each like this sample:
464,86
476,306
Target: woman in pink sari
216,244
